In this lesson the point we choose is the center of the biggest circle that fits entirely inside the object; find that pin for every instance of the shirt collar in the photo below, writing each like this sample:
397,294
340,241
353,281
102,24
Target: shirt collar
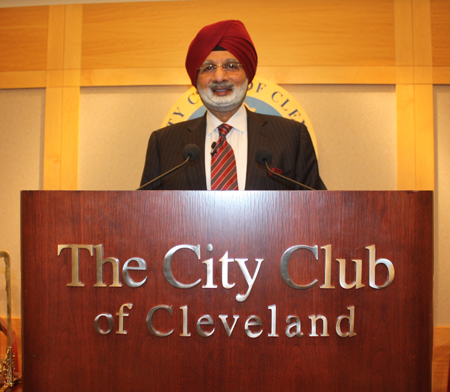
237,121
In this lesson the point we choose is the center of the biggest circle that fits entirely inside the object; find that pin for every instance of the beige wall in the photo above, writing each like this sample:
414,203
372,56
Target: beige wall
364,71
21,159
355,126
442,206
115,124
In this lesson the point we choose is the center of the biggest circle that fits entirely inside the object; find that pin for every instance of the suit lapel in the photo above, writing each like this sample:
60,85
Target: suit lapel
195,173
258,137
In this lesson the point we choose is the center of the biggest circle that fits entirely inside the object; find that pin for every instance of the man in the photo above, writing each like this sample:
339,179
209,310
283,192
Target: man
221,63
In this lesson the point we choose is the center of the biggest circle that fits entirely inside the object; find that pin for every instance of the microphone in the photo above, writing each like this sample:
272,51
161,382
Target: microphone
264,157
191,152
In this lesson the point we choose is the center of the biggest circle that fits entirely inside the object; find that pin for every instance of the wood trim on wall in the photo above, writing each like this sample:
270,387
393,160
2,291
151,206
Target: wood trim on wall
404,59
424,105
415,124
62,98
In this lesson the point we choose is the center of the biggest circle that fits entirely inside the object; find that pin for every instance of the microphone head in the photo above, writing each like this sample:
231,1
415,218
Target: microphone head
192,151
263,155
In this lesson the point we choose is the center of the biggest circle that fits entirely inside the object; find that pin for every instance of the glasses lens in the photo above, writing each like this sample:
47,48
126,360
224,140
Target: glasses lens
207,68
231,66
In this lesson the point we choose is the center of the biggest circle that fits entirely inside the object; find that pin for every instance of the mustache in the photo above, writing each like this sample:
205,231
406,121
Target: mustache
225,84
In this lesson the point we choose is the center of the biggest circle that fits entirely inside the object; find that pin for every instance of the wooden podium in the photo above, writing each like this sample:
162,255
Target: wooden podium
227,291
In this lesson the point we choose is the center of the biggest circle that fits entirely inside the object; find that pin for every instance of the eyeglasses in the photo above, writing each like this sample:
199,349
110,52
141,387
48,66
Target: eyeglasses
230,67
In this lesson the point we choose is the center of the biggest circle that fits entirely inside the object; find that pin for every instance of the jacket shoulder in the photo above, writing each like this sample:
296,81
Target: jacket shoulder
277,121
189,124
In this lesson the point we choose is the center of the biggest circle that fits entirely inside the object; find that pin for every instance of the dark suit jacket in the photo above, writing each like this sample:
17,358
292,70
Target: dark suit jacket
287,140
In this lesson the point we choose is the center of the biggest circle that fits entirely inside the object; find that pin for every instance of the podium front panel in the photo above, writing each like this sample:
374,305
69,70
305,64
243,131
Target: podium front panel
227,291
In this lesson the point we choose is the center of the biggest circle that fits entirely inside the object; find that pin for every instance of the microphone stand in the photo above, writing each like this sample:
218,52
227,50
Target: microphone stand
165,174
286,178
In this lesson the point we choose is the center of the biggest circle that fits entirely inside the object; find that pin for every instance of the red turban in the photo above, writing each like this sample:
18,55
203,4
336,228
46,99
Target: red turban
230,35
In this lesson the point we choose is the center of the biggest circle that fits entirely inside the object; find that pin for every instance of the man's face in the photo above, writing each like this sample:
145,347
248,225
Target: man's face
222,91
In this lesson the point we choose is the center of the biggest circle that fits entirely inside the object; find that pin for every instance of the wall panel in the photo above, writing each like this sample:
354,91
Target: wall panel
355,128
115,125
440,32
156,34
23,38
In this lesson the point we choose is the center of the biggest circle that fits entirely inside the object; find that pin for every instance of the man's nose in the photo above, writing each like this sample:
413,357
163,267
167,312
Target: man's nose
220,74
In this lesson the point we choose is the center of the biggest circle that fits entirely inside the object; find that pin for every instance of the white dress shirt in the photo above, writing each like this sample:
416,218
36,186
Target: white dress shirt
237,138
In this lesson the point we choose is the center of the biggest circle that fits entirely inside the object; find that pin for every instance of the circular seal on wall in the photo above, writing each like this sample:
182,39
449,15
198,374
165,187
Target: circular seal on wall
263,97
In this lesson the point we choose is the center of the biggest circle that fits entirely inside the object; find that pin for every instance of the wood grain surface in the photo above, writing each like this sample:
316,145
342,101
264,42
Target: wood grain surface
392,348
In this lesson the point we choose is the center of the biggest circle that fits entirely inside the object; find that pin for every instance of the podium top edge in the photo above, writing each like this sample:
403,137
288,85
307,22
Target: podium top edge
249,191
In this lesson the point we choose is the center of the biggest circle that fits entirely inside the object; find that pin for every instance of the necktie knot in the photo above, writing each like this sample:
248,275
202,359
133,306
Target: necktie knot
224,129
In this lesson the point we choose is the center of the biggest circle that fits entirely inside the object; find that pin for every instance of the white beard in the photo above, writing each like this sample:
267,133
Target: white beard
226,103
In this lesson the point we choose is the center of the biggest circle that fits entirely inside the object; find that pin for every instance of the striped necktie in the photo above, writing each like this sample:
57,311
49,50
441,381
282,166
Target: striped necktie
223,163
